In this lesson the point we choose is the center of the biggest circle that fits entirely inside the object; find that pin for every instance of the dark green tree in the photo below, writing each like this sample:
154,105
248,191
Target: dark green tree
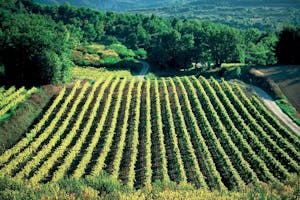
259,47
288,46
224,43
35,50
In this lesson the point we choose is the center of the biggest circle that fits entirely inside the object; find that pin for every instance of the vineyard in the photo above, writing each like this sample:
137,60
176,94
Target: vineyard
201,131
10,98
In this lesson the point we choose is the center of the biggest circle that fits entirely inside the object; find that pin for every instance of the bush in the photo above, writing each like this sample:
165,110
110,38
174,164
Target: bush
103,183
109,61
122,50
141,53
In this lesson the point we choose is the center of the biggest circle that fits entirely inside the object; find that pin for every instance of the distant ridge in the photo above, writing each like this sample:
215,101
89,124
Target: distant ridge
113,5
125,5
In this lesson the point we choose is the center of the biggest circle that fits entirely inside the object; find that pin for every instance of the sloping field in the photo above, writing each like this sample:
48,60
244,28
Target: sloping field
176,129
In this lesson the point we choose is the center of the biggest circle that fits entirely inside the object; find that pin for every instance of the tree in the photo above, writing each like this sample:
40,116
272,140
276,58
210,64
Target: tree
260,47
185,51
35,50
159,57
141,53
170,44
287,48
223,42
89,32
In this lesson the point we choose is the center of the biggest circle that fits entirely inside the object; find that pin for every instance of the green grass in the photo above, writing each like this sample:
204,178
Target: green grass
226,65
7,115
286,107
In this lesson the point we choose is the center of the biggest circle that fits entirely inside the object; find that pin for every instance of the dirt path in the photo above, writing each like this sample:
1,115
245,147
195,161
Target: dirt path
271,105
144,71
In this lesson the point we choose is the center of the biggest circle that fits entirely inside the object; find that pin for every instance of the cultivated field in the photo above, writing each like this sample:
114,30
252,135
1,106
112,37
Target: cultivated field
10,98
199,131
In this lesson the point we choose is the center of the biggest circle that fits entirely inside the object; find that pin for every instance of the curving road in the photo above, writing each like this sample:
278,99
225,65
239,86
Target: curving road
144,71
271,105
267,99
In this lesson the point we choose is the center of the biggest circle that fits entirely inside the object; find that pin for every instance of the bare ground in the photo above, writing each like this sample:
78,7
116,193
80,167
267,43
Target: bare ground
288,79
271,105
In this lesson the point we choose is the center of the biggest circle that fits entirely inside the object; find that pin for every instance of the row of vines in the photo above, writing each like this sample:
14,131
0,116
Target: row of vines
201,131
10,98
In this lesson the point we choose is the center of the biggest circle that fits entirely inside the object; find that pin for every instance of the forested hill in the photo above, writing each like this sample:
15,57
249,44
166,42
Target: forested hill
122,5
43,36
261,14
113,5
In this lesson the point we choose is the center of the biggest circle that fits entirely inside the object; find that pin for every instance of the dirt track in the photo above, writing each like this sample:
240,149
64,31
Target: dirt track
271,105
144,71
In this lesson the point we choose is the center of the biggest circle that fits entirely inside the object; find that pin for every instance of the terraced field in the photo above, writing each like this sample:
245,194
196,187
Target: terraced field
199,131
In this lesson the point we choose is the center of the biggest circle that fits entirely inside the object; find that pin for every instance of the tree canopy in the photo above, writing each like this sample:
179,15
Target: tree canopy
36,40
35,49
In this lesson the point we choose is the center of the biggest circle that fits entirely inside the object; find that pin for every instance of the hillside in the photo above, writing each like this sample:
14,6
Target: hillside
195,131
112,5
261,14
123,5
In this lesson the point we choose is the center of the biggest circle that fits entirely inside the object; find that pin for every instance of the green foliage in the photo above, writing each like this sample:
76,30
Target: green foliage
122,50
68,188
115,56
34,50
167,43
260,47
289,190
110,60
284,104
189,120
104,183
94,73
260,14
224,43
103,187
141,53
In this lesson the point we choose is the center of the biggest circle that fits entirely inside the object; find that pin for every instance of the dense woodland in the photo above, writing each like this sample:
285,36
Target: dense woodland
244,14
261,14
39,39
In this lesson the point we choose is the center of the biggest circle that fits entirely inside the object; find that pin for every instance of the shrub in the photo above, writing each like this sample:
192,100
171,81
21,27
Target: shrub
141,53
122,50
